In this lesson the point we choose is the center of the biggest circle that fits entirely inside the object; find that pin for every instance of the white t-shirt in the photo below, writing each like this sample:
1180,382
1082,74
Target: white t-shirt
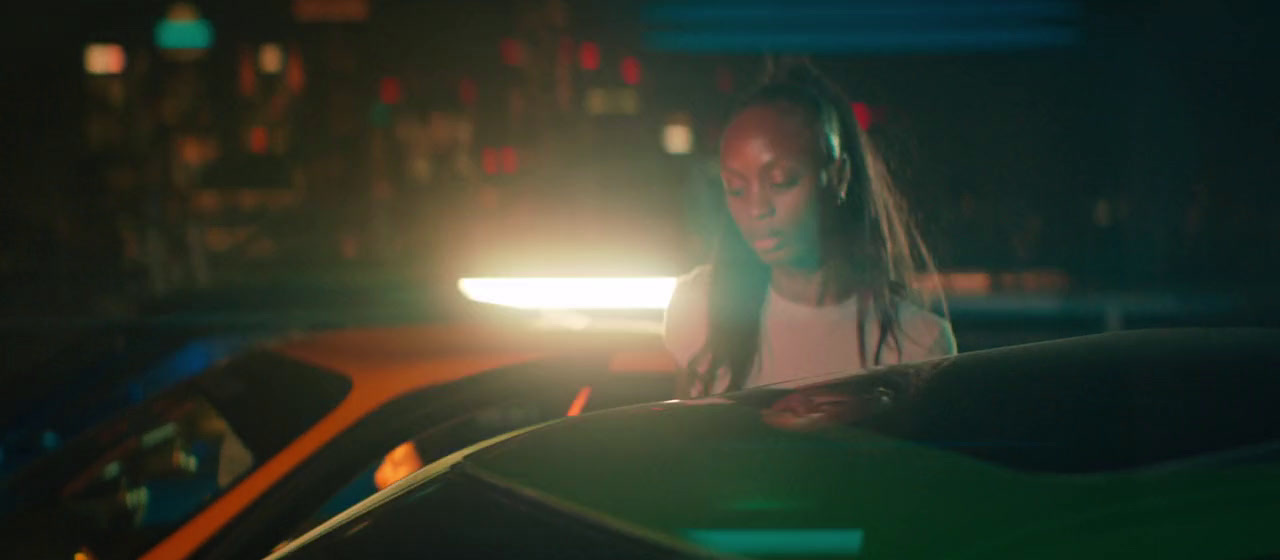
798,340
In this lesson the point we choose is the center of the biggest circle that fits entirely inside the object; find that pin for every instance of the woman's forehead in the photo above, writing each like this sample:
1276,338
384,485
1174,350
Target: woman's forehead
767,132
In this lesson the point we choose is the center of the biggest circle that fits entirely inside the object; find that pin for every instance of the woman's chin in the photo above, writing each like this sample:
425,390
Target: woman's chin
774,257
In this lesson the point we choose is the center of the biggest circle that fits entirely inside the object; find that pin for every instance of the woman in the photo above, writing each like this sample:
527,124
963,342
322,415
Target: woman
817,270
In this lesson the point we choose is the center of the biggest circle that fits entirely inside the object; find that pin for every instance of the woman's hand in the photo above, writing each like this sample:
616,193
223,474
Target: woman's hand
820,407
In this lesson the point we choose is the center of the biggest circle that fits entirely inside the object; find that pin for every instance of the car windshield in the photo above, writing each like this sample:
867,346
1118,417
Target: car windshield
132,481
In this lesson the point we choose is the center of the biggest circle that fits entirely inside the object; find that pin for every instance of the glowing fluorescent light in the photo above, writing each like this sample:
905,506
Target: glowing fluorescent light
571,293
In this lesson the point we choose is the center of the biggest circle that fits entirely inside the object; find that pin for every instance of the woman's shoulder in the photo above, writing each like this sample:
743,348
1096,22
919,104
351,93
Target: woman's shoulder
685,321
926,334
691,289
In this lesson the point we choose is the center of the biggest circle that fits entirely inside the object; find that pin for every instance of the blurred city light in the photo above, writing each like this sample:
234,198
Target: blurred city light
467,92
512,52
246,74
330,11
510,160
613,101
677,139
259,140
380,115
627,101
104,59
489,161
270,58
631,71
589,55
596,101
390,91
295,76
183,29
677,134
571,293
862,112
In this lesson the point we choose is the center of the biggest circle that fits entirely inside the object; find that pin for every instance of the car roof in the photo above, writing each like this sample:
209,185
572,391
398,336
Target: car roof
370,352
723,469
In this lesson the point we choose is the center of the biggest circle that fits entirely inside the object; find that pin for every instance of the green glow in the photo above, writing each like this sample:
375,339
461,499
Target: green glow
779,541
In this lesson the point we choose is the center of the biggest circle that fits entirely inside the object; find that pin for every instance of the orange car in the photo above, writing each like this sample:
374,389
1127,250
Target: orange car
270,443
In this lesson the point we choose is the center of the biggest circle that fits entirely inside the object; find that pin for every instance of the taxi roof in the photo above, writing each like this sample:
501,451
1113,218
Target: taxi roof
398,350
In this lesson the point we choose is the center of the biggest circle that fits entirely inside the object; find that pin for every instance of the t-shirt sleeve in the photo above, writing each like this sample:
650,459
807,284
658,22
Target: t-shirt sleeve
926,334
685,322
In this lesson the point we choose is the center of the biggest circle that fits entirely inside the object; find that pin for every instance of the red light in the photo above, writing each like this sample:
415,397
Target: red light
862,112
389,91
724,80
295,75
467,91
510,160
579,401
631,70
589,56
247,74
489,160
259,141
512,52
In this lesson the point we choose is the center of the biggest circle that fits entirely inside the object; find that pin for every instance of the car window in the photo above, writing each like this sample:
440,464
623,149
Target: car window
460,517
134,480
422,447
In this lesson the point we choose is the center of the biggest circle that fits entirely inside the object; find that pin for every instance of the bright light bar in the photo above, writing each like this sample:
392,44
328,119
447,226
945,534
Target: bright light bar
571,293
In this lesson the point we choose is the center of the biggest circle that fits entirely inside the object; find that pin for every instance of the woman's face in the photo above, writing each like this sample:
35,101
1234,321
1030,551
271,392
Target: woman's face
769,164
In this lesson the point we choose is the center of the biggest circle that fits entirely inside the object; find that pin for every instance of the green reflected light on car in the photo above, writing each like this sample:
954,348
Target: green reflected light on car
841,542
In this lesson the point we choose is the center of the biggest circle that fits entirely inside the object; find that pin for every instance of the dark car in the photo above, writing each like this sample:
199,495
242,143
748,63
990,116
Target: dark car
1156,444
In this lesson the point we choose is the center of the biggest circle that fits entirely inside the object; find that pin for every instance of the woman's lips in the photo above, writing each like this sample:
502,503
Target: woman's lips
767,243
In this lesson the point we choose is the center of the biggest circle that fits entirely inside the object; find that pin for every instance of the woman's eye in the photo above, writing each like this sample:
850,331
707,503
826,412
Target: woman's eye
786,181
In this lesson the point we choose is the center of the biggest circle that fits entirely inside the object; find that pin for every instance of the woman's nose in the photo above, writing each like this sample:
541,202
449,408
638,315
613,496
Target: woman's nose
761,207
